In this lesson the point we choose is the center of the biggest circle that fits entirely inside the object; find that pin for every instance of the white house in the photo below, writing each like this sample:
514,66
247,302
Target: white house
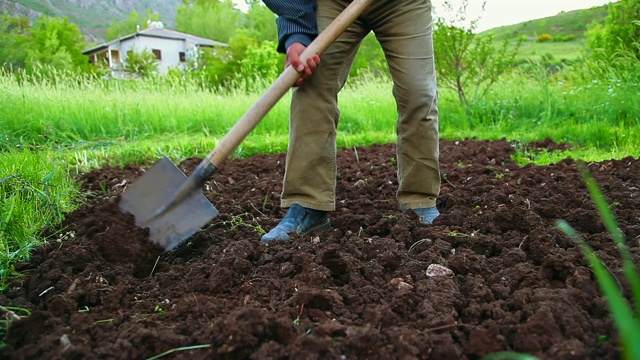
171,48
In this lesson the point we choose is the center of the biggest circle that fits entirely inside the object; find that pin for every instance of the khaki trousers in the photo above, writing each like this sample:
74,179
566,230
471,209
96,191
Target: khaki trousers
404,30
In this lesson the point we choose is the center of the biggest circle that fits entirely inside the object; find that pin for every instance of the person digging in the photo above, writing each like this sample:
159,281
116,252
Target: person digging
404,30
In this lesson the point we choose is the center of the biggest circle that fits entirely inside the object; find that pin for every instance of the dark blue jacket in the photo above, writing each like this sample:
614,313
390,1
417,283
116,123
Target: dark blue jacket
296,21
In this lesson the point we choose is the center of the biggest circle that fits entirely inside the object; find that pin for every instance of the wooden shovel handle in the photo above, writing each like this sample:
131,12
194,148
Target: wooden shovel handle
285,81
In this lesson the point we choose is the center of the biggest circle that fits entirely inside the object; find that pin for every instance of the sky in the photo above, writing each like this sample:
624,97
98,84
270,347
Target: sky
508,12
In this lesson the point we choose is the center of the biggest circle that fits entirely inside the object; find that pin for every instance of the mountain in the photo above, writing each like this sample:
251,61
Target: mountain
92,16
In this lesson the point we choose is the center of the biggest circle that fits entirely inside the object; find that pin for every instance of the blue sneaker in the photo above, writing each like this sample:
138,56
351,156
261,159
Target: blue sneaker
427,215
299,220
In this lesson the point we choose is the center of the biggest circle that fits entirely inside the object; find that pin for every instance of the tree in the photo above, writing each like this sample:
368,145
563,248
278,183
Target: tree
14,41
262,61
620,33
260,22
467,62
213,19
222,66
370,58
129,25
57,43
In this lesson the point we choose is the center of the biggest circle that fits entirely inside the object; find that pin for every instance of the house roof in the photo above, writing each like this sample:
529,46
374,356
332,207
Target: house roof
160,33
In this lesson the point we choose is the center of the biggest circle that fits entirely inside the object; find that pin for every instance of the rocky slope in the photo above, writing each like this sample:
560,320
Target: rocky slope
92,16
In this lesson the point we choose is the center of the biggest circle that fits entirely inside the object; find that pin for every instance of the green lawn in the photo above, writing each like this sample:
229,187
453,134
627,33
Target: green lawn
558,51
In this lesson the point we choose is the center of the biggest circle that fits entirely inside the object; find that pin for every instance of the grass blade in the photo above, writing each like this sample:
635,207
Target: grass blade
185,348
508,355
630,271
628,327
627,322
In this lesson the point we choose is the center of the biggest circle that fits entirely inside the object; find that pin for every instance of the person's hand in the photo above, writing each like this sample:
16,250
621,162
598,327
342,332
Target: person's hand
293,58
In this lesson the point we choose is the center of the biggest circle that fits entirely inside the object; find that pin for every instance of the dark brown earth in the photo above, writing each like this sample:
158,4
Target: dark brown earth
100,290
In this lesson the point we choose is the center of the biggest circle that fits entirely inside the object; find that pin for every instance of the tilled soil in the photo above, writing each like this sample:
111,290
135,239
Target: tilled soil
101,290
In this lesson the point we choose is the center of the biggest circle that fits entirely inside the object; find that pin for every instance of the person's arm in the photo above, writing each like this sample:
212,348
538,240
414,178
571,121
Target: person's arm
296,22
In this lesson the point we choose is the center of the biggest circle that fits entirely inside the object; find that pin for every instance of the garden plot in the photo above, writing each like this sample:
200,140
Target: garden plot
101,289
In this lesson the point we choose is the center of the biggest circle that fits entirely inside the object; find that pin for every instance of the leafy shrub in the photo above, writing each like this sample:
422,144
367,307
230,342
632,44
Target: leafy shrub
141,63
465,62
544,38
370,59
564,38
618,35
58,43
221,67
262,61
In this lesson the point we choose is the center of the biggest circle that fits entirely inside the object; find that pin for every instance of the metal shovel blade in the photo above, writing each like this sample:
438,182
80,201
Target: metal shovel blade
153,191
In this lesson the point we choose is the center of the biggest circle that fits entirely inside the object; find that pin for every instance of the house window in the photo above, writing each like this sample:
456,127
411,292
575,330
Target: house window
157,53
183,56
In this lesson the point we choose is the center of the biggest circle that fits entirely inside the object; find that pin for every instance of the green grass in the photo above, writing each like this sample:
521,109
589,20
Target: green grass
600,118
558,51
36,191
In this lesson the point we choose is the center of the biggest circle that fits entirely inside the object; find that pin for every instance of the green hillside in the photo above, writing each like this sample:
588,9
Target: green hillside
567,30
565,23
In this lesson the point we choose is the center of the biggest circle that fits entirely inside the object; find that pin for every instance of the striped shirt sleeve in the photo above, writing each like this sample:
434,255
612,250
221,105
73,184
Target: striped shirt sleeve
296,21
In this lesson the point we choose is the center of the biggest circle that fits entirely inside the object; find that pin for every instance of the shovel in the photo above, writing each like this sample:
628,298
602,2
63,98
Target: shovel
171,204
